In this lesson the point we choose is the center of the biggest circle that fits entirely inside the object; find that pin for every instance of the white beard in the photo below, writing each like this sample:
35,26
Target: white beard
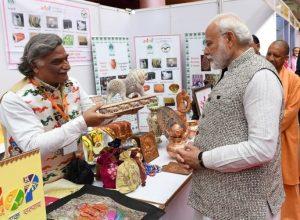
220,59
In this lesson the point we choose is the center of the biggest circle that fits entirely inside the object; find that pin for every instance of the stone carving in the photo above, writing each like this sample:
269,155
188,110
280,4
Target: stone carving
131,85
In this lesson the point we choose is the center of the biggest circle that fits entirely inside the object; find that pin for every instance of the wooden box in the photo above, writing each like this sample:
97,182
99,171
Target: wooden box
147,143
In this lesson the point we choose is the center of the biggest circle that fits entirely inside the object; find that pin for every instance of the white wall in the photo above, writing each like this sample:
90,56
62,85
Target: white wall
7,77
259,17
254,12
188,19
114,21
269,27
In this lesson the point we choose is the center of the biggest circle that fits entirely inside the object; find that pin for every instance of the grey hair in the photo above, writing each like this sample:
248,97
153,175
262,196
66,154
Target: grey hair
231,22
37,47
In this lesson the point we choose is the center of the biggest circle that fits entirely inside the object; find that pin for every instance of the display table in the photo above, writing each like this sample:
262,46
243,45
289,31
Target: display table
167,191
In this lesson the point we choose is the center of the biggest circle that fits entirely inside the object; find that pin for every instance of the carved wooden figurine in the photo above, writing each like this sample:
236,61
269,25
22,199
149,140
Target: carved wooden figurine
183,104
177,139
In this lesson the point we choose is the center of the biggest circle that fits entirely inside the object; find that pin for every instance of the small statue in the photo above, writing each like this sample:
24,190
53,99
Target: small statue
131,85
152,121
183,104
178,136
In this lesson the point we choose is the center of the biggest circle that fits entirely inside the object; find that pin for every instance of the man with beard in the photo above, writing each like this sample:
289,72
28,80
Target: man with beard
44,110
236,152
277,54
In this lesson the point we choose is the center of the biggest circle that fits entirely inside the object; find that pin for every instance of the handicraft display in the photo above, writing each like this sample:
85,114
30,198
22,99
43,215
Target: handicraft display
147,143
97,203
121,169
166,118
174,129
192,126
130,106
119,129
131,85
174,167
177,139
128,176
93,142
152,121
184,104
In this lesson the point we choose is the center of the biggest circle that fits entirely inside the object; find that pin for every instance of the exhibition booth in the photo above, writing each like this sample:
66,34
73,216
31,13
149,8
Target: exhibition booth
163,46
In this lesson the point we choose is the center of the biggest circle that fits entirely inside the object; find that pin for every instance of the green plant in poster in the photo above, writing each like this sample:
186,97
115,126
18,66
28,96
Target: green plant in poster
68,40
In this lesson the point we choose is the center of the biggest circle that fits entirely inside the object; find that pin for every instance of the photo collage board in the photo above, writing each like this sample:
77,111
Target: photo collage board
160,57
111,60
24,19
198,68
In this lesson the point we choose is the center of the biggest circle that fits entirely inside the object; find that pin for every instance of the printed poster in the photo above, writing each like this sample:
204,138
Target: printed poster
198,68
22,191
2,146
111,60
24,19
160,57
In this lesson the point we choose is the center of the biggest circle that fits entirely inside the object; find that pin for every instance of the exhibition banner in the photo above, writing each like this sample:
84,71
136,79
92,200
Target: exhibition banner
160,57
24,19
2,147
111,60
198,68
21,187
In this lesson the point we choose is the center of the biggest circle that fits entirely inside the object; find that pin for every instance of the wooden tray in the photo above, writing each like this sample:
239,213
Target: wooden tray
130,106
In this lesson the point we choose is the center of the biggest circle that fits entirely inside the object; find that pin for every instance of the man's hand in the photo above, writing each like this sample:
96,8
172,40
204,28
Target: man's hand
93,118
188,156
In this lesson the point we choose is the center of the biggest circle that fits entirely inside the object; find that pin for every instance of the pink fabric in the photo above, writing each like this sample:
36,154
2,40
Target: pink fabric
286,64
108,170
108,162
293,63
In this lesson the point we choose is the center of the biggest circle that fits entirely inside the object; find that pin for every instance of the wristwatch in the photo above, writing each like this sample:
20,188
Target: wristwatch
200,159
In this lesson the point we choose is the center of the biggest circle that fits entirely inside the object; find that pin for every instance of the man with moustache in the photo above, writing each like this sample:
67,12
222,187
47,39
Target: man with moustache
44,109
236,152
278,54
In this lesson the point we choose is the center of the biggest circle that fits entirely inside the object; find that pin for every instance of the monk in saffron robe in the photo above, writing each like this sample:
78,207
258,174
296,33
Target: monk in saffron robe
277,54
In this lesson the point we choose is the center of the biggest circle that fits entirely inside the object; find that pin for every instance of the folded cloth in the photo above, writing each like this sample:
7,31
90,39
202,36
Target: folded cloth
60,188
